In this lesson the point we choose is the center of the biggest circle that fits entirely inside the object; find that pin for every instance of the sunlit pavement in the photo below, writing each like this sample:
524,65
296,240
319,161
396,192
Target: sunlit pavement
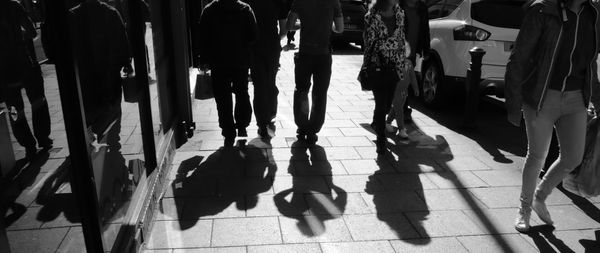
443,190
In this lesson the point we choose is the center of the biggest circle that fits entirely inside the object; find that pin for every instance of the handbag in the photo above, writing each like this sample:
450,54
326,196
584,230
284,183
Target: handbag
203,88
371,74
585,179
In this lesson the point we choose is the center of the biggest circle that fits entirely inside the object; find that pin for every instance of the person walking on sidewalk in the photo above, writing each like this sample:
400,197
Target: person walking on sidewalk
417,36
313,60
227,31
384,32
270,14
19,69
551,79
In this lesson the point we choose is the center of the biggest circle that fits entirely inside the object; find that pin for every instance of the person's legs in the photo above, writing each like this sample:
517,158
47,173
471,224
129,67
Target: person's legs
571,131
321,80
34,87
222,91
302,72
18,122
243,107
259,80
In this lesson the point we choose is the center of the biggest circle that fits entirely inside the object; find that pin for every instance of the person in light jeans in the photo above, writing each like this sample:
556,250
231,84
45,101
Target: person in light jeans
552,78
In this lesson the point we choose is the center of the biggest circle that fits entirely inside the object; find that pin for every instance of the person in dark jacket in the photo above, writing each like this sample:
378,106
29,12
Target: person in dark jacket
227,32
551,79
417,35
19,69
102,51
270,17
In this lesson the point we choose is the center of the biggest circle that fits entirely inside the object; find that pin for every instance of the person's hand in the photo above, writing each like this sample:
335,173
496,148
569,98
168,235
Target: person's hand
204,67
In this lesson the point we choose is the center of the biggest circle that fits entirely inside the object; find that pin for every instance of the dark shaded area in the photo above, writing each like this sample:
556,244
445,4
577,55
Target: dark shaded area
206,186
544,238
311,204
15,183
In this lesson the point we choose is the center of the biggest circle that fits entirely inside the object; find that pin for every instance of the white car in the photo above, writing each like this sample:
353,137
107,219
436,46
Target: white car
456,26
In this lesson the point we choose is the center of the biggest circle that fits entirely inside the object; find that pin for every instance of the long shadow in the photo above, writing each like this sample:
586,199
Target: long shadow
313,201
53,200
207,186
434,152
491,120
543,237
12,186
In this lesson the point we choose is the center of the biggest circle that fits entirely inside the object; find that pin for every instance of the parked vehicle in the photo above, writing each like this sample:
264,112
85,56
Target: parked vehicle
456,26
354,16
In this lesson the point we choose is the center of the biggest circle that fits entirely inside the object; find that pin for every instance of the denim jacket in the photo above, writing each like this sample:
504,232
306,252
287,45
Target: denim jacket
533,58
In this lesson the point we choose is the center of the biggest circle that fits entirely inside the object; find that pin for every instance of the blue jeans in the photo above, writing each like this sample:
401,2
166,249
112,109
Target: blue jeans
567,113
319,68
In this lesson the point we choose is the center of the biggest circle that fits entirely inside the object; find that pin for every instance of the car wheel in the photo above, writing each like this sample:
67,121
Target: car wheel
431,85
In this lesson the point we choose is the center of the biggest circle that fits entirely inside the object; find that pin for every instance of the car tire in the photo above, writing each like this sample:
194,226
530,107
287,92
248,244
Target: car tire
432,85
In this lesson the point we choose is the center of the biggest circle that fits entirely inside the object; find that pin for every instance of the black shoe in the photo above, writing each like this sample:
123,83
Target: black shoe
381,146
271,128
312,138
263,132
407,116
301,137
46,145
242,132
229,142
30,153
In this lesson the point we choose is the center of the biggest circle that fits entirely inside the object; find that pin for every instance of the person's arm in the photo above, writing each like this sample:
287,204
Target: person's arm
203,37
520,62
122,49
253,26
595,96
338,18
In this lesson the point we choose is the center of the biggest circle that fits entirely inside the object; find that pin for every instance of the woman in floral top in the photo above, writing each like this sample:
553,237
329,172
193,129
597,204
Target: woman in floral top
386,49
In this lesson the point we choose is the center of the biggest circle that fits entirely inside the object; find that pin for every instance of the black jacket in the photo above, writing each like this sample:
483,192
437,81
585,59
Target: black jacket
227,30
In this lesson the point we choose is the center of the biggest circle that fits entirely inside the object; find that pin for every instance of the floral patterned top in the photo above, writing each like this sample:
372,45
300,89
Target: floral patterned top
388,48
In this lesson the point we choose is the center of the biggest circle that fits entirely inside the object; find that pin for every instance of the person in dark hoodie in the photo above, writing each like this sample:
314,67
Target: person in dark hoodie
551,79
270,17
227,31
19,69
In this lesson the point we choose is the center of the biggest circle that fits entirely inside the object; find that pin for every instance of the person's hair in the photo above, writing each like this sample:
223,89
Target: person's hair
379,5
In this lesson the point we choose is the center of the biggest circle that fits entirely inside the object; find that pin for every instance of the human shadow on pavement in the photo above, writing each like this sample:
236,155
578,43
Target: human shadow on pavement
208,187
543,237
14,184
314,198
54,199
425,154
584,204
491,130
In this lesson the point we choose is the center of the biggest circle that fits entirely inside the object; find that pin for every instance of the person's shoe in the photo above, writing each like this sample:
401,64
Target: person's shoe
408,116
229,141
402,133
381,145
271,128
46,145
241,132
389,128
312,138
522,220
263,132
541,210
30,153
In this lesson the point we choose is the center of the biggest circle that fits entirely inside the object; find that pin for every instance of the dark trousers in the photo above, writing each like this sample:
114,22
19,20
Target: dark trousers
319,68
384,95
33,83
264,72
225,82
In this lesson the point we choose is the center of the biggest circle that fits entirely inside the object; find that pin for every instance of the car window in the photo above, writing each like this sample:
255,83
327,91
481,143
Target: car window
494,13
443,8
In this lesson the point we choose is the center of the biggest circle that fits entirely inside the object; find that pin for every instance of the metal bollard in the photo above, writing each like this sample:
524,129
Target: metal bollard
472,88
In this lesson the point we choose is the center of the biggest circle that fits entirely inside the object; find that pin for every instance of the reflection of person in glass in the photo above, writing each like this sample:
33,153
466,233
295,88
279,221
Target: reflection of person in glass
101,51
19,69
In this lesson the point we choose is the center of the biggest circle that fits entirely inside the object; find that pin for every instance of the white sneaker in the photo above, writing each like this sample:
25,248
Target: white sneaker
522,220
389,128
542,211
402,133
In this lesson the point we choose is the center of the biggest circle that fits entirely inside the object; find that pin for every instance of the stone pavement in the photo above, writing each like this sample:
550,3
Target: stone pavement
443,190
